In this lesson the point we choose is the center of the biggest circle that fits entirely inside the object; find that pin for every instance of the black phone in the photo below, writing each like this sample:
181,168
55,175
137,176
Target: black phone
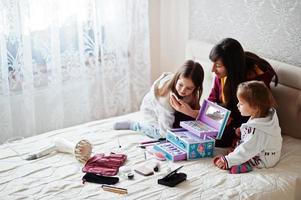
94,178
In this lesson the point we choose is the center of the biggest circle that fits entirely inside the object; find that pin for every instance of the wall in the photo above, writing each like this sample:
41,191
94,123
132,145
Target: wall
174,33
270,28
154,23
169,30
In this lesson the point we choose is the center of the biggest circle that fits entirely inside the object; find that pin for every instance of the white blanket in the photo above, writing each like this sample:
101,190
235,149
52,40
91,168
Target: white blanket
58,176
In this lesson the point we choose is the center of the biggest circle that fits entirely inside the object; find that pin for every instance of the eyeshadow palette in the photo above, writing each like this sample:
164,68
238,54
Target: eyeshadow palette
211,121
171,151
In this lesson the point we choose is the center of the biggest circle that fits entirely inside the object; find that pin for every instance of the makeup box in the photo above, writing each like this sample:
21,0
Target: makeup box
194,146
210,122
197,138
171,151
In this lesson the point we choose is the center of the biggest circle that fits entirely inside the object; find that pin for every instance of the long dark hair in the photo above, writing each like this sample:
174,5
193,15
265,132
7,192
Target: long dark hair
232,55
254,60
192,70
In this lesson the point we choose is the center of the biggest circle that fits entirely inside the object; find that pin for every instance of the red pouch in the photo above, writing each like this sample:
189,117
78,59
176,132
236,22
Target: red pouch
104,165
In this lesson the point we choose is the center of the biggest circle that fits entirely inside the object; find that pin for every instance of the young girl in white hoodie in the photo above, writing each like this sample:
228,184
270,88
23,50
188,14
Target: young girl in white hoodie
186,85
261,140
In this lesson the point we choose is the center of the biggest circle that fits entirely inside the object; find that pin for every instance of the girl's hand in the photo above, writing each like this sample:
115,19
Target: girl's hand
183,107
175,103
219,162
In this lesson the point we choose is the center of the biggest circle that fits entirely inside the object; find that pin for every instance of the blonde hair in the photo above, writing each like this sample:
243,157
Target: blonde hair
258,95
192,70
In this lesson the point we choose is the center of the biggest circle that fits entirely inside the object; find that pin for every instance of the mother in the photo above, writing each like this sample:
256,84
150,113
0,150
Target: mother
231,65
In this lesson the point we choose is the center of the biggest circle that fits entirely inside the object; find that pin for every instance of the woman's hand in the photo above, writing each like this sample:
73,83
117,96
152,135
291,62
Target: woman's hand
183,107
237,132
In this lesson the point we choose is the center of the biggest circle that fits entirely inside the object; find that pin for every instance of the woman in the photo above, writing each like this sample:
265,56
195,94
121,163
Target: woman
232,66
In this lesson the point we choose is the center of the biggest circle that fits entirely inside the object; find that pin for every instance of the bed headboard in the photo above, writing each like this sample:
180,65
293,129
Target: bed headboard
287,93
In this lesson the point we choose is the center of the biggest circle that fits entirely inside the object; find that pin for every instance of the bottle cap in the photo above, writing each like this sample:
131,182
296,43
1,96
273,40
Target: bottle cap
130,176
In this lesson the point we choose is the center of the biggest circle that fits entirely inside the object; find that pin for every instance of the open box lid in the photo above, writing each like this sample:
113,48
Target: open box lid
214,115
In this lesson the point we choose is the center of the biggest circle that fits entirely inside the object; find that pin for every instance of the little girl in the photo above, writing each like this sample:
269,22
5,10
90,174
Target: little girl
261,140
184,86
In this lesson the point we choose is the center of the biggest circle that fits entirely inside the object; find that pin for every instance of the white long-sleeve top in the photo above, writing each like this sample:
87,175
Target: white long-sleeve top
261,142
157,111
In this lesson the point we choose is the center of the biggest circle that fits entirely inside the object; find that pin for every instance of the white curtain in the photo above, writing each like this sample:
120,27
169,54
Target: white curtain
65,62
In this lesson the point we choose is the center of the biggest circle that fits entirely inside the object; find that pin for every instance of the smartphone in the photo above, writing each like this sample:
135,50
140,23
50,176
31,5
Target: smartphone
175,96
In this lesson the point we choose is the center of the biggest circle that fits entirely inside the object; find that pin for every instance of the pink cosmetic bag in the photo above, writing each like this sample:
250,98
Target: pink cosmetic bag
104,165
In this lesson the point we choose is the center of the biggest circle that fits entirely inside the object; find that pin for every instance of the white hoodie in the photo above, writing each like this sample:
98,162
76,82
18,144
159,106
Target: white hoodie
157,111
261,142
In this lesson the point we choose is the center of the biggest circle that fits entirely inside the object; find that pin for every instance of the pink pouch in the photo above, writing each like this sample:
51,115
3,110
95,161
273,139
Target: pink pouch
104,165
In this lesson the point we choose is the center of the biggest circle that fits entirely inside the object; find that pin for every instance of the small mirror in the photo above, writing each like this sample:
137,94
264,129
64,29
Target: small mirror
215,114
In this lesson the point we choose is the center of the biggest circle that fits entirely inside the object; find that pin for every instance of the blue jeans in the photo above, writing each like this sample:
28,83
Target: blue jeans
147,129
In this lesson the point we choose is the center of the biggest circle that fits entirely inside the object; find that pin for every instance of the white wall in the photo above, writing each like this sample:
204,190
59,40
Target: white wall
271,29
154,23
169,30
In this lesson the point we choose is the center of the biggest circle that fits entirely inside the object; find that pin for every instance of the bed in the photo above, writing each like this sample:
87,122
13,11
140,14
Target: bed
59,175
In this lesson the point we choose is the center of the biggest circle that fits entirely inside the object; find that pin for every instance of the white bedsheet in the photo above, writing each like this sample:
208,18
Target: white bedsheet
58,176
